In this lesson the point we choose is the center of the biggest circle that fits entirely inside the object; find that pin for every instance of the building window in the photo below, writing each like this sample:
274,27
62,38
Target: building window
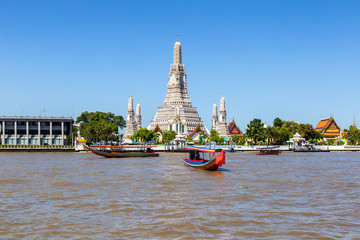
177,128
170,127
183,128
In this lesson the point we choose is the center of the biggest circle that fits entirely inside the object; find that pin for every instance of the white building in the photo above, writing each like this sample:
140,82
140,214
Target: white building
132,123
35,130
177,112
220,124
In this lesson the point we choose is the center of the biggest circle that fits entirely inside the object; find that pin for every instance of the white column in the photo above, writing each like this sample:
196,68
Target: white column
39,133
15,131
62,133
50,133
27,132
3,133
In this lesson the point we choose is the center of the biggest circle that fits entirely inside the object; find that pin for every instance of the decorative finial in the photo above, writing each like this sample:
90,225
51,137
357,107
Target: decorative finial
177,37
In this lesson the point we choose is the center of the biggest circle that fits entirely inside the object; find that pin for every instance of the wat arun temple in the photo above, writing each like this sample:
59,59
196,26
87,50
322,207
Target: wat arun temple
177,113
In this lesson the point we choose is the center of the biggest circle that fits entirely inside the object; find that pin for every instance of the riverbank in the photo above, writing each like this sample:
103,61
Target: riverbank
174,148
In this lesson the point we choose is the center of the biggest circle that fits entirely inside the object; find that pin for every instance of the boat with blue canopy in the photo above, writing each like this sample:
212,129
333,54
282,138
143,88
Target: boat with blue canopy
204,158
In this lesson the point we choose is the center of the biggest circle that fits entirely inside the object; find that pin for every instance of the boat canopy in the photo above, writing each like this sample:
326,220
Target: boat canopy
267,148
200,149
123,146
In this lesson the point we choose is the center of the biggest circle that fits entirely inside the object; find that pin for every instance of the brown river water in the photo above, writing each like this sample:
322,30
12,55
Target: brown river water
84,196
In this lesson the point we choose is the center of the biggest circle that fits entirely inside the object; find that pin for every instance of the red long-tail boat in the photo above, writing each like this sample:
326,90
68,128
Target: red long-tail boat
122,151
204,158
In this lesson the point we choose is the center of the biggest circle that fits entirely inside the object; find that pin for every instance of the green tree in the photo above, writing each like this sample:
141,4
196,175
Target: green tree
100,126
168,136
235,139
255,130
143,134
308,132
201,136
278,122
353,134
282,131
72,137
214,137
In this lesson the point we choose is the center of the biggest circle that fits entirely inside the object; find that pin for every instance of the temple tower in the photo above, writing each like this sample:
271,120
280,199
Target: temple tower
138,116
222,112
177,101
214,117
222,127
131,125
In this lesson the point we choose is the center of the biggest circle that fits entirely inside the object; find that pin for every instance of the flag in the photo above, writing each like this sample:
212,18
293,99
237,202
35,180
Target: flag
340,140
225,139
245,140
134,139
315,140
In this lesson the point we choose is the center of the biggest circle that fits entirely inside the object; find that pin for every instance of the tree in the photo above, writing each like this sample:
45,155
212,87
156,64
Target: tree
201,136
282,133
100,126
72,137
143,134
235,139
353,134
214,137
255,130
308,132
169,136
278,122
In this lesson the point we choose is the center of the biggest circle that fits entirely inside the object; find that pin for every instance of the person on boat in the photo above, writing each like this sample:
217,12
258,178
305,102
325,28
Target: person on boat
197,156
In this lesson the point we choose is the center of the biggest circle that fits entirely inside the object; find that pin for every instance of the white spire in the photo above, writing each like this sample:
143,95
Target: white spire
138,115
130,103
177,52
222,103
214,117
214,109
138,109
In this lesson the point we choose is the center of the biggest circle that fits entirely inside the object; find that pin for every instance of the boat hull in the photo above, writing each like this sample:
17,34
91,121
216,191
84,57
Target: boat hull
269,153
123,154
199,164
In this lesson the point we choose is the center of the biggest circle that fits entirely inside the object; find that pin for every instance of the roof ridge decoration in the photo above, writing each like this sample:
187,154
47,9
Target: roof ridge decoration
197,129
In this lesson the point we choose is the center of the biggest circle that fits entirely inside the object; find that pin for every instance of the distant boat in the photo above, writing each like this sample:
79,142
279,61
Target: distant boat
124,151
269,150
204,158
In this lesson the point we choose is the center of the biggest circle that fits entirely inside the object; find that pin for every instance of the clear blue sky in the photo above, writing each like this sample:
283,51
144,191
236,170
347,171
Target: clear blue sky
297,60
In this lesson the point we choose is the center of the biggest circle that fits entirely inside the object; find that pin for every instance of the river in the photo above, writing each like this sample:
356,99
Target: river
84,196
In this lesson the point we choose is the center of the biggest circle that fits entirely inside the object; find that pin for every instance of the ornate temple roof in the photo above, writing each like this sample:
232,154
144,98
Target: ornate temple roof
328,128
197,129
157,129
234,129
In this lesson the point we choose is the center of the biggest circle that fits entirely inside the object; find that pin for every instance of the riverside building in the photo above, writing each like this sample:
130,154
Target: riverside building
35,130
133,122
219,121
177,113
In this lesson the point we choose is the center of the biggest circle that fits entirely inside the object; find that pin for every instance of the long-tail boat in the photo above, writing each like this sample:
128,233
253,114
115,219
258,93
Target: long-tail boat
204,158
125,151
269,150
